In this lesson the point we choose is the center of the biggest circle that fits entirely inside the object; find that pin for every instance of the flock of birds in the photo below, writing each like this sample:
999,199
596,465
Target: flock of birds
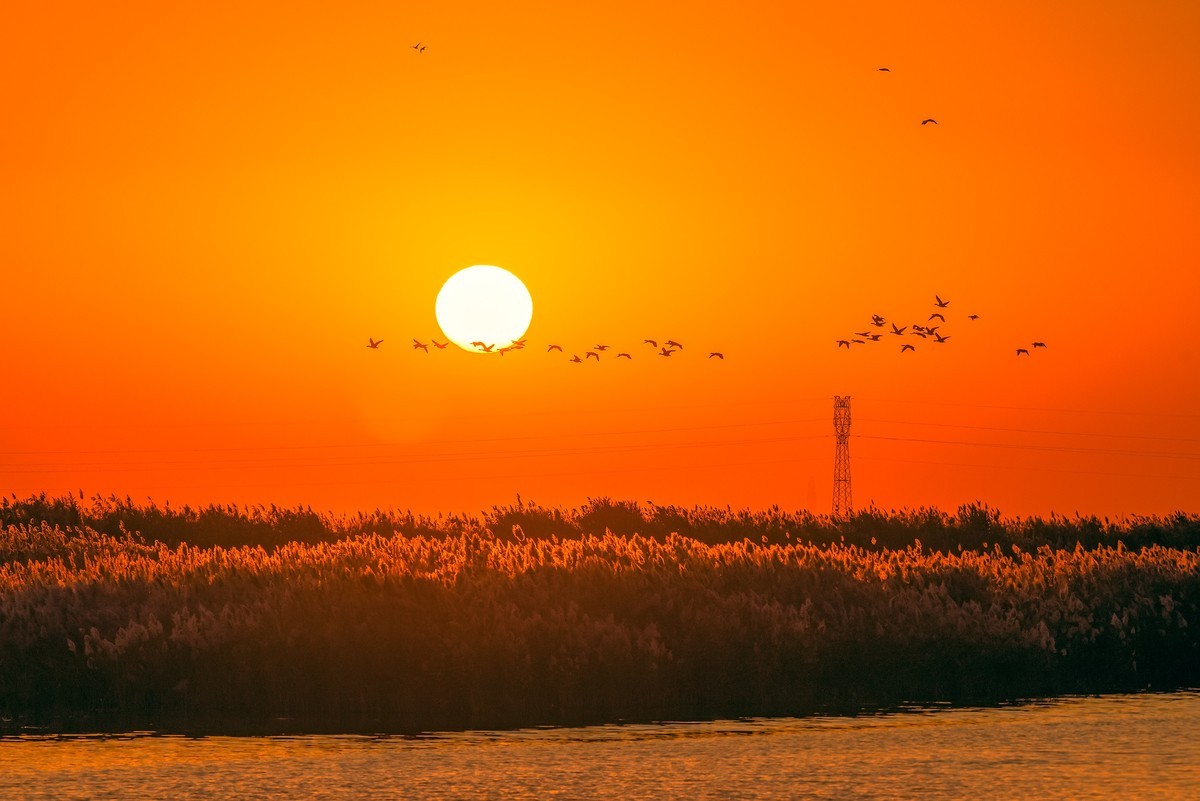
669,347
927,332
931,333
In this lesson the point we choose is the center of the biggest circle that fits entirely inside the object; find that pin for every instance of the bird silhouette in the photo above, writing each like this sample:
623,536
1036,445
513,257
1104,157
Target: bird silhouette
843,343
972,316
487,348
920,334
650,342
665,352
858,341
939,338
624,356
373,344
931,119
883,69
505,349
670,343
439,345
936,316
600,347
717,354
875,318
591,354
1022,350
876,337
518,343
1039,344
418,344
898,331
554,347
878,323
906,346
417,47
576,359
862,333
941,304
477,344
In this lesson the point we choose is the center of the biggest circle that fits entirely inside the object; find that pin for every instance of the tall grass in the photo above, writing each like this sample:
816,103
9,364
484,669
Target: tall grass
468,629
973,526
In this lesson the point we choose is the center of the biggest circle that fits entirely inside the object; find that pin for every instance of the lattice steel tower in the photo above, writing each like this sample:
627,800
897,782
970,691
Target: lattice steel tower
841,458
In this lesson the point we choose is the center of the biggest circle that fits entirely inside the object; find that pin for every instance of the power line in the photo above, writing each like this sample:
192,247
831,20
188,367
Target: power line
675,407
1032,408
513,476
1027,467
1031,430
563,435
1023,446
87,467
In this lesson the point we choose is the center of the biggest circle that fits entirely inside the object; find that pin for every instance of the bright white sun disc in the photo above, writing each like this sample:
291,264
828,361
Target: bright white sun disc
483,304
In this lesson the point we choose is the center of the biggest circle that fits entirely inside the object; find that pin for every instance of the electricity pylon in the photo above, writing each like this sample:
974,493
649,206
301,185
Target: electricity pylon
841,459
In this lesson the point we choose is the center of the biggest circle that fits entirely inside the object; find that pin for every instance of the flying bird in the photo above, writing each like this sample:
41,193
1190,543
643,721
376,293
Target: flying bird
1039,344
898,331
876,337
931,119
422,50
591,354
844,342
601,347
862,333
624,355
439,345
936,316
906,346
673,344
716,354
554,347
941,304
883,69
1022,350
650,342
576,359
972,316
486,348
417,47
665,352
939,338
519,343
418,344
477,344
373,344
858,342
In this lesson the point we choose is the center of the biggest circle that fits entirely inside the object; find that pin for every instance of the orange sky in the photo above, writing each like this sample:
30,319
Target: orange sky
206,210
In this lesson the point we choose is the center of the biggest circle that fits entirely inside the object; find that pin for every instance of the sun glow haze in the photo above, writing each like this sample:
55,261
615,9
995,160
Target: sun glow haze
483,304
207,209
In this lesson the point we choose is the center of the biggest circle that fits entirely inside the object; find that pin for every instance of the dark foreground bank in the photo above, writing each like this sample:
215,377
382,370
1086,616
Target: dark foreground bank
421,633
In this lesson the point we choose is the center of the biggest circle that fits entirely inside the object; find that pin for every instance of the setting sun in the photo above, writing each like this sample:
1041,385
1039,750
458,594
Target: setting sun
483,304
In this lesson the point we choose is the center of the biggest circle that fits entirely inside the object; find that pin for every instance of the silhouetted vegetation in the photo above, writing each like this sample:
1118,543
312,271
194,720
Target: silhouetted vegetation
972,527
471,629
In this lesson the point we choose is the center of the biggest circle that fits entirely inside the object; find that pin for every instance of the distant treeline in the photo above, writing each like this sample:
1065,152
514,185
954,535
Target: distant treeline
388,633
973,526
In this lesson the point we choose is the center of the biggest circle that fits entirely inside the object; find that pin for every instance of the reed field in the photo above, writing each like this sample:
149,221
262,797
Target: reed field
466,626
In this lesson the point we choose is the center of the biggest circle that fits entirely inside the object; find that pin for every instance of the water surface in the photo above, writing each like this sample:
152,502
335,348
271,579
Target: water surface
1113,747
